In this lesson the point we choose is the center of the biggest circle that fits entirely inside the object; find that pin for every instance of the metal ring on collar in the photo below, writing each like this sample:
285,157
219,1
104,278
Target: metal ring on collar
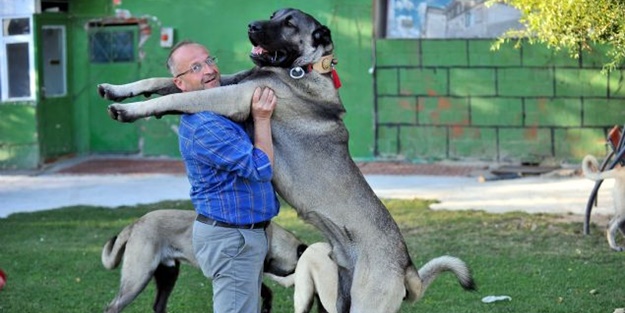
297,72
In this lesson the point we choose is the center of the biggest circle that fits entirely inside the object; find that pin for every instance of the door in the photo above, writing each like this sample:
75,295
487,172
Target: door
55,107
113,58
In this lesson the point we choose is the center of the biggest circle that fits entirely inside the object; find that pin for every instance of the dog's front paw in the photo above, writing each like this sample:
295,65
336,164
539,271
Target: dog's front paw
111,92
118,112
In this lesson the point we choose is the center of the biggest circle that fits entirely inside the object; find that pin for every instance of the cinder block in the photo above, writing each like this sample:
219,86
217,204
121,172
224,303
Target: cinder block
602,112
472,82
397,52
388,140
443,111
480,54
493,111
472,143
520,144
525,82
387,82
553,112
442,53
423,81
580,83
397,110
428,143
617,84
575,143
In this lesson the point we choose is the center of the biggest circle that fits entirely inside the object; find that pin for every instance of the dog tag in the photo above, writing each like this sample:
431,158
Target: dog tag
297,72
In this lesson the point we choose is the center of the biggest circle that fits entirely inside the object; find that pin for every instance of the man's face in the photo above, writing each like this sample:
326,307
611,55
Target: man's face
189,58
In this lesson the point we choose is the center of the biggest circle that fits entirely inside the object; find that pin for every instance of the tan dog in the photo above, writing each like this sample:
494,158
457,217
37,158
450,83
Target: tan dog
316,276
156,244
590,168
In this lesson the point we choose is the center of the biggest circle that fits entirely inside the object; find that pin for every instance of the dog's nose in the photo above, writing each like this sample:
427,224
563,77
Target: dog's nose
253,27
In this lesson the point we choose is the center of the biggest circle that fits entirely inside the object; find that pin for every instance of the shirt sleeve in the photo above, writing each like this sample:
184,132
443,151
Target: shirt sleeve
225,146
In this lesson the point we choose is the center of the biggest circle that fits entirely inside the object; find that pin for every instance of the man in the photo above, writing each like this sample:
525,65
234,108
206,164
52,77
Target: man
231,187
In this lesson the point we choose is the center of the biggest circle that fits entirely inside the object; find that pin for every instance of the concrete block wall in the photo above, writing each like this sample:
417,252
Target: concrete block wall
458,100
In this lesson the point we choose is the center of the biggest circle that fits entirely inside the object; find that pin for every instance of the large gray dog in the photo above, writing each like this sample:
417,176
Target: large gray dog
155,245
313,168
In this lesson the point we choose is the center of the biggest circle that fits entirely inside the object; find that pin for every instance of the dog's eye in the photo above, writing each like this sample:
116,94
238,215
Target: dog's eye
289,22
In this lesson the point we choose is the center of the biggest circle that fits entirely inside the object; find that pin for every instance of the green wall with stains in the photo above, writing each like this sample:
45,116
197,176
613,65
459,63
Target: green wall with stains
458,100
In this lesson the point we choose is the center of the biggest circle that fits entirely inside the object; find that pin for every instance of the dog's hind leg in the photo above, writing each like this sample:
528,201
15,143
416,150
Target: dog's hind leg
320,307
304,293
616,224
165,278
267,298
128,291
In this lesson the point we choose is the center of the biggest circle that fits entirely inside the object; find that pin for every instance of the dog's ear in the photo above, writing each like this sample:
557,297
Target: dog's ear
321,36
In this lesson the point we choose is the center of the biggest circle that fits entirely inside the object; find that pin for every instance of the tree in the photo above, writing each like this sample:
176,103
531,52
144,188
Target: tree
572,25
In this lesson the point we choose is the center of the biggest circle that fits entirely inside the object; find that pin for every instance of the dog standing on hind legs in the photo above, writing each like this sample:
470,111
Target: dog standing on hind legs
590,168
314,171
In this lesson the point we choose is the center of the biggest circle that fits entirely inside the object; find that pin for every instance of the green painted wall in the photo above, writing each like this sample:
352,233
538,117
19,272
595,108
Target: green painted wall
456,99
19,145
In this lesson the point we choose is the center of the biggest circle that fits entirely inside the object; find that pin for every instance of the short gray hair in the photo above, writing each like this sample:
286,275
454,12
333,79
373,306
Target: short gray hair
170,61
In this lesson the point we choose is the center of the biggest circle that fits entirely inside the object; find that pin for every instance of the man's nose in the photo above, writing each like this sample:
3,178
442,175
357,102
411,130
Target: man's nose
209,68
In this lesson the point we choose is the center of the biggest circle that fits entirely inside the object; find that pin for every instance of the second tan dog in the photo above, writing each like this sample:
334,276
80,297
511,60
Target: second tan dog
590,168
156,244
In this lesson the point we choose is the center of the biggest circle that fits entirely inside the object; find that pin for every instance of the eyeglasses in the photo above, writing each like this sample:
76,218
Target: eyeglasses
197,67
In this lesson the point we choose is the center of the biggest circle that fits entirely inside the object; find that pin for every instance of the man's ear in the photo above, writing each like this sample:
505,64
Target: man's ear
178,82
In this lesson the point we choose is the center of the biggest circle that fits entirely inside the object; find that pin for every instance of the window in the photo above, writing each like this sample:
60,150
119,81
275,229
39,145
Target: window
17,80
112,45
443,19
54,61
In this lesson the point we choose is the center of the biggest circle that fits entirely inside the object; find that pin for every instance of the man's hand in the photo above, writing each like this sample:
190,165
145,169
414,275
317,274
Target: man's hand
263,104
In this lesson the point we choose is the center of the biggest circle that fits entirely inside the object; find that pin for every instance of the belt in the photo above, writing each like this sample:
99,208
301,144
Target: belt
209,221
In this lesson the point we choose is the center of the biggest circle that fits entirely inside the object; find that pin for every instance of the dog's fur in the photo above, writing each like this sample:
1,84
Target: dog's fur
156,244
313,169
316,277
590,168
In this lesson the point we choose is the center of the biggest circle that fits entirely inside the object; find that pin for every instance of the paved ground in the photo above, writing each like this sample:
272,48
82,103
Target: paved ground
112,182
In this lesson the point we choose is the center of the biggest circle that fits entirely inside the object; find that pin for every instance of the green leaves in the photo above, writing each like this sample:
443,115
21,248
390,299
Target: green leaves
572,25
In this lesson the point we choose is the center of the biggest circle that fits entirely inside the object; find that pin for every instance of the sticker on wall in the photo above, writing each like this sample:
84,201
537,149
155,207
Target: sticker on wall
167,37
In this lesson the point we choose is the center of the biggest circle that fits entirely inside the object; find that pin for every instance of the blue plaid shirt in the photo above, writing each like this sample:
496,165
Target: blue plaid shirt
230,179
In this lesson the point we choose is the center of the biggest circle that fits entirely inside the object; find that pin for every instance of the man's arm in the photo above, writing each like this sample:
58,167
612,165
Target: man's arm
263,104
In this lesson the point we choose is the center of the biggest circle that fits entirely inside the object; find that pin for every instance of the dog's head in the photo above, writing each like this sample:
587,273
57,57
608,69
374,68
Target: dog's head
289,38
284,251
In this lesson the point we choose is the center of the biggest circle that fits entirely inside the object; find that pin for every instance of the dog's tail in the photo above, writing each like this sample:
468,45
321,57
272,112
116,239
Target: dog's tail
590,168
418,282
113,250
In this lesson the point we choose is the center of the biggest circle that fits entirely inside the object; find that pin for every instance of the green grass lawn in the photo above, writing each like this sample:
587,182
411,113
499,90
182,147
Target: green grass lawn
52,260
